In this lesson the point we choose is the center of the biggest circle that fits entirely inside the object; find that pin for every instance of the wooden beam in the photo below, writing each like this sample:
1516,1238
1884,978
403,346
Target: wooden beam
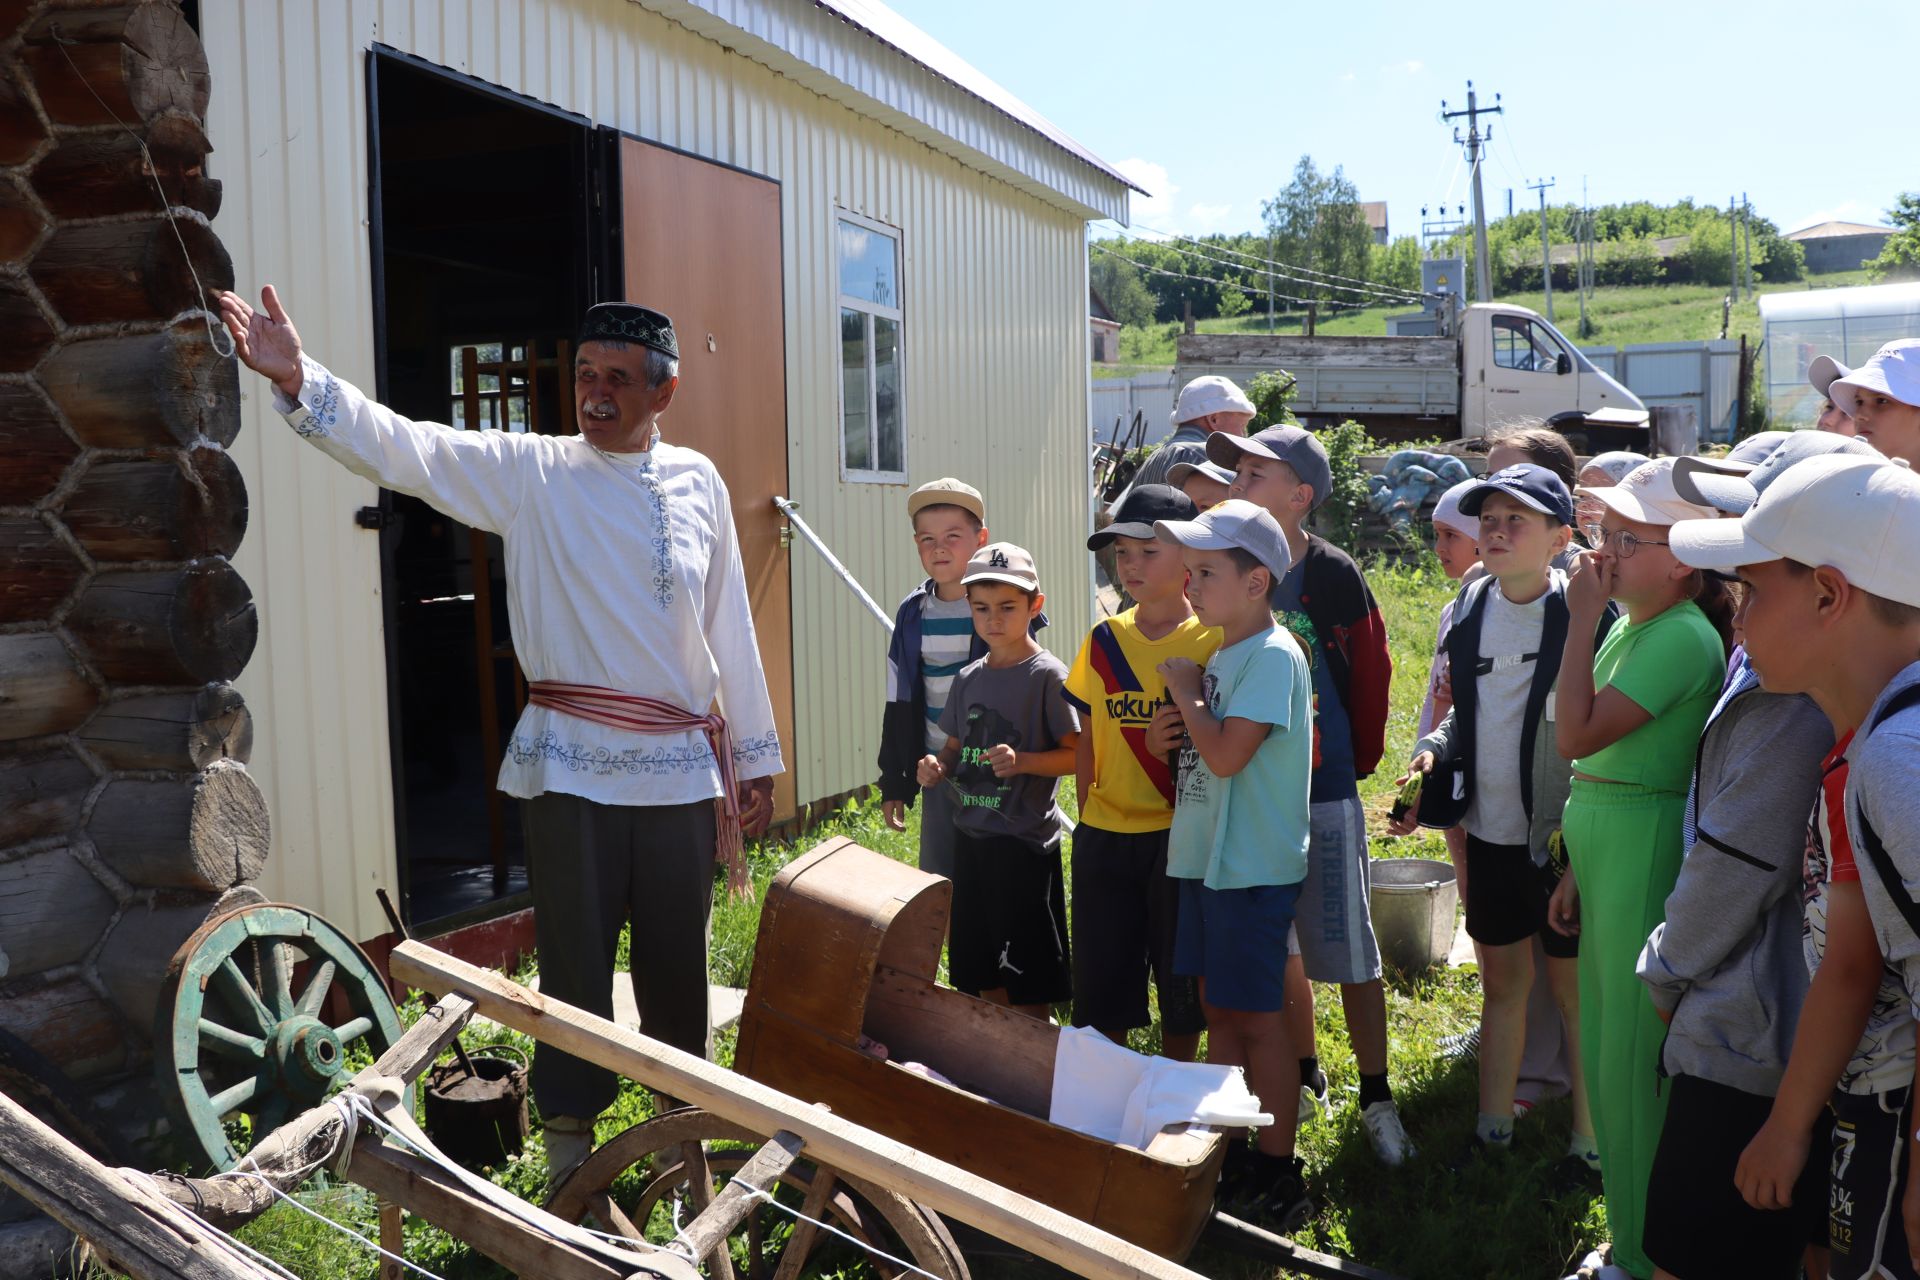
125,1219
708,1232
832,1141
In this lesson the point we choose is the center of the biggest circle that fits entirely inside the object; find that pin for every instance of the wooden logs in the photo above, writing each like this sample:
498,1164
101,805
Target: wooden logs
20,222
21,130
206,833
187,626
176,508
41,690
37,570
94,175
131,62
181,732
133,960
147,391
41,793
25,334
114,272
68,1023
52,911
36,450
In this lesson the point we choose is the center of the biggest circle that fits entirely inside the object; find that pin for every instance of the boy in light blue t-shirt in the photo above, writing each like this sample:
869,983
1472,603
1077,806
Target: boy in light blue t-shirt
1238,846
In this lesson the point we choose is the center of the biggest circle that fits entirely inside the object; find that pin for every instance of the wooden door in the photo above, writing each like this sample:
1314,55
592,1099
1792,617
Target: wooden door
702,243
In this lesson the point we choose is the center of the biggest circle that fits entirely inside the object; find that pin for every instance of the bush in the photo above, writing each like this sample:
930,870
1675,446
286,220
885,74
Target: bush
1634,261
1272,395
1338,519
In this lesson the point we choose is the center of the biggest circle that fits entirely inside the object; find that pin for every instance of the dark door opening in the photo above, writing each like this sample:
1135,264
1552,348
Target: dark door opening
485,249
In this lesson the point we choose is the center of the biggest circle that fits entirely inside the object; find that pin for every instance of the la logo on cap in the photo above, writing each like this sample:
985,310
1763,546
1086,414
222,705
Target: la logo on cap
996,559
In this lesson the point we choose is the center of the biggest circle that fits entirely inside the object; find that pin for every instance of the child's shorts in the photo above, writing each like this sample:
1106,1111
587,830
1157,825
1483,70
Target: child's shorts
1009,925
1235,942
1125,907
1697,1223
1335,920
1507,898
1866,1165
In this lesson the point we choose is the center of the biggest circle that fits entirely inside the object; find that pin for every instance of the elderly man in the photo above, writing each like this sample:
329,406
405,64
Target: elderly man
1206,405
630,619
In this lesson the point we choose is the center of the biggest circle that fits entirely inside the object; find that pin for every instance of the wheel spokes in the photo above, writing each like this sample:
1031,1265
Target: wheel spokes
614,1219
800,1243
228,1043
234,1096
242,998
354,1029
316,993
277,977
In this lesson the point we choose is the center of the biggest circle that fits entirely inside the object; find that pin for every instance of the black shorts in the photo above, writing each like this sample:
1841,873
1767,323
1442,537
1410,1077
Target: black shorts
1866,1178
1009,920
1507,898
1697,1224
1124,909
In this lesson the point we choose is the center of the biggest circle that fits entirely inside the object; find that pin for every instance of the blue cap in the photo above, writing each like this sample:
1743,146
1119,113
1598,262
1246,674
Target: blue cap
1535,486
1298,447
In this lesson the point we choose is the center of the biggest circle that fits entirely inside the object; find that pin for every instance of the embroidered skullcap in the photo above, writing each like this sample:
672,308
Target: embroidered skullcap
626,322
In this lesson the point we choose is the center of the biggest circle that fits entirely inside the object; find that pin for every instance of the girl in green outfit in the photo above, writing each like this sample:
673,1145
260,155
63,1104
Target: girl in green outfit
1629,717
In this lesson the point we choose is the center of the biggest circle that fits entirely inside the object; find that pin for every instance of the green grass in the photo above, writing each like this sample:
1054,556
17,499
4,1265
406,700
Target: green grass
1416,1222
1622,316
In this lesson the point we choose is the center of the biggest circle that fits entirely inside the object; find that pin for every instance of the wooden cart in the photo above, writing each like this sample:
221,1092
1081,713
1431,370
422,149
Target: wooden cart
849,946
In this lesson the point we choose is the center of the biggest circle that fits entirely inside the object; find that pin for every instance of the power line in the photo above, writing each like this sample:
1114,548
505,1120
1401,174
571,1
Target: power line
1148,267
1285,270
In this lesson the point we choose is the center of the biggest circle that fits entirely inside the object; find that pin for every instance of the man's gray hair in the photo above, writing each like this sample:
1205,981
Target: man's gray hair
660,365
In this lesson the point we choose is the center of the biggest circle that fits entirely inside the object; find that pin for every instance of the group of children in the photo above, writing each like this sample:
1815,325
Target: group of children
1645,701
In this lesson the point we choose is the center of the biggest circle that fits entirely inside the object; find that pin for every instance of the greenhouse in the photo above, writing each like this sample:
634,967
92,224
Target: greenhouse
1847,324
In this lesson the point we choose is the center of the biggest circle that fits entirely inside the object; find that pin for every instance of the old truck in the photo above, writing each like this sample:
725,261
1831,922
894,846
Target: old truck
1496,365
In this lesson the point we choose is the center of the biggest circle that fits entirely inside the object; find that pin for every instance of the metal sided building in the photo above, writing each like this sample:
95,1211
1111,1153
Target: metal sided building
876,261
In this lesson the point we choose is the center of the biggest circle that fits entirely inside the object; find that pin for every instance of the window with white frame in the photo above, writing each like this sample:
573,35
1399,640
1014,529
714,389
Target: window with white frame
872,413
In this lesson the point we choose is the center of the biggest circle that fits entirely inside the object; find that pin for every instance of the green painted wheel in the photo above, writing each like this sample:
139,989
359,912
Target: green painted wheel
237,1051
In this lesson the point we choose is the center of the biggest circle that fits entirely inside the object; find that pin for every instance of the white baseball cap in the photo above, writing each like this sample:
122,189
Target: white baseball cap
1646,494
1211,394
1823,370
1894,371
1447,512
1859,515
1615,463
1002,562
1700,480
1233,523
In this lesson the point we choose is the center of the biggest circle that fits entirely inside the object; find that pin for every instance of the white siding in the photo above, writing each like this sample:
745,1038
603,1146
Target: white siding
994,290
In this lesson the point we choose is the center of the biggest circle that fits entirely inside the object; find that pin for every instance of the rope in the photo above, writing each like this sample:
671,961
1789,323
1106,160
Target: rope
757,1194
166,206
341,1227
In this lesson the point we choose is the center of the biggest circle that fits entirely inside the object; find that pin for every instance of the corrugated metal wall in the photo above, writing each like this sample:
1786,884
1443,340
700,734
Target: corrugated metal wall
995,387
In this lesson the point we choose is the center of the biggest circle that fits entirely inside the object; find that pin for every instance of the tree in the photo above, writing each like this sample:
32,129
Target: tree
1316,222
1120,283
1397,265
1900,259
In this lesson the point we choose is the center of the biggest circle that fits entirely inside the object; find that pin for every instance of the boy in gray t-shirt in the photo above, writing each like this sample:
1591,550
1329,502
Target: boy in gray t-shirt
1010,736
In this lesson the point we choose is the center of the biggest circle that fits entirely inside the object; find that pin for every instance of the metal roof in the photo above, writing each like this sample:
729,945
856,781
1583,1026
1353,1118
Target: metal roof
1824,230
864,55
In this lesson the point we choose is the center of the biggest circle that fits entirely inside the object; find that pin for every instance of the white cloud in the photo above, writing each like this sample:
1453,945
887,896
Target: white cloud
1156,208
1208,217
1347,78
1411,67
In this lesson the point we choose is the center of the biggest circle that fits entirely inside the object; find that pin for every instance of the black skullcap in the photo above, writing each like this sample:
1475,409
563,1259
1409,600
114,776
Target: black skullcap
625,322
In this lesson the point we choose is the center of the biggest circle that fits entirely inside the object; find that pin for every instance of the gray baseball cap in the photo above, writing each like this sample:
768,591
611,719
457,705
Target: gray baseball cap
1823,370
1700,480
1233,523
1298,447
1179,472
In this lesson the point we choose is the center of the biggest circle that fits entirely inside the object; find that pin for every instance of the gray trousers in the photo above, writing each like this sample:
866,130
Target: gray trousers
592,866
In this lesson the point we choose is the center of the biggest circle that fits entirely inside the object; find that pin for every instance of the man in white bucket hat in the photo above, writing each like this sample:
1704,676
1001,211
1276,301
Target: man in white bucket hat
1205,405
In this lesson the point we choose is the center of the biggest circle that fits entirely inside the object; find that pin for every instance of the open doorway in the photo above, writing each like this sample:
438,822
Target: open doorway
485,250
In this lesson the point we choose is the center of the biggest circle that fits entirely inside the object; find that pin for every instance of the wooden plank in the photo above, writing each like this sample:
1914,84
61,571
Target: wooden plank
393,1239
729,1209
1285,352
138,1230
830,1140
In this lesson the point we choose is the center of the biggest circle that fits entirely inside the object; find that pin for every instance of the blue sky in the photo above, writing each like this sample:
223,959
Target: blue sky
1209,103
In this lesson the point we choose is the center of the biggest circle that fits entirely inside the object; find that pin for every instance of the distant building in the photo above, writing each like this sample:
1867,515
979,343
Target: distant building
1840,246
1104,329
1376,215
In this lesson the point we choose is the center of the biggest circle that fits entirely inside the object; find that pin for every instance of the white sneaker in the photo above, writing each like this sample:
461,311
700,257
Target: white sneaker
1387,1134
1313,1104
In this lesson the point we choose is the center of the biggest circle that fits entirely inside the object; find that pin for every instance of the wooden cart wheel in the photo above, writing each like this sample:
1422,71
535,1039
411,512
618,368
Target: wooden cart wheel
642,1180
233,1037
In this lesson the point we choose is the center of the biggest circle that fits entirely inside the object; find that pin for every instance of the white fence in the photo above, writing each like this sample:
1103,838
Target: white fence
1116,399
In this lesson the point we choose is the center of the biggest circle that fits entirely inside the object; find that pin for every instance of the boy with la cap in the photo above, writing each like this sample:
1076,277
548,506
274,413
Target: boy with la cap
933,638
1882,397
1238,845
1835,614
1124,904
1323,599
1725,967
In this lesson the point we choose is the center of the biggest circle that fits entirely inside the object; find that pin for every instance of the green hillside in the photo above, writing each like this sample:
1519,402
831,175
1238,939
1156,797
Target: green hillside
1622,315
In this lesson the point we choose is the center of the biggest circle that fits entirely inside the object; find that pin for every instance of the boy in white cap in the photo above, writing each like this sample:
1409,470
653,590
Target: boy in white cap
1882,397
1205,405
1238,845
1010,734
1834,613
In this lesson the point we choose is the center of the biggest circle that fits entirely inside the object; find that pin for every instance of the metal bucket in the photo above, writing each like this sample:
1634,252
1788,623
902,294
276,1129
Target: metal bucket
1413,911
479,1119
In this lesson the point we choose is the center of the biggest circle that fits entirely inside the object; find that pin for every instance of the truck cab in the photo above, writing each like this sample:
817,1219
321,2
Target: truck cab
1514,365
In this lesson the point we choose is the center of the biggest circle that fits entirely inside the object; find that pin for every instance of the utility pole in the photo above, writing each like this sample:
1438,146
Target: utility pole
1546,249
1482,269
1746,240
1269,282
1733,252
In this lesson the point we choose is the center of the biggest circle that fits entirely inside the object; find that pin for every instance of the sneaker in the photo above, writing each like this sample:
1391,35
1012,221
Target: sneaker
1570,1174
1463,1046
1479,1153
1387,1134
1286,1205
1314,1099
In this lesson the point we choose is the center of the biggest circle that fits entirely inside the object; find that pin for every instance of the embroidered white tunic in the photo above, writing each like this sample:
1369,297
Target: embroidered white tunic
622,569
